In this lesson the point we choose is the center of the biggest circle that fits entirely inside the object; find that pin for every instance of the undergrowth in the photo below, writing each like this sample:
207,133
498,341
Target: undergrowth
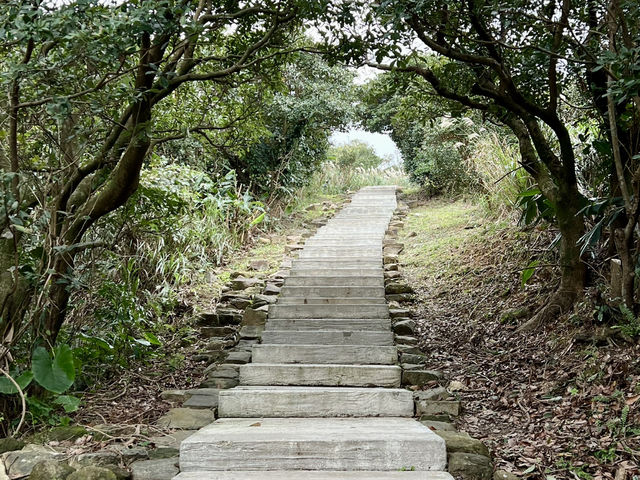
558,404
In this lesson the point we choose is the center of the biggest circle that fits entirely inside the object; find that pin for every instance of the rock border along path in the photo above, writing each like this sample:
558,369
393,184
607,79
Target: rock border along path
321,399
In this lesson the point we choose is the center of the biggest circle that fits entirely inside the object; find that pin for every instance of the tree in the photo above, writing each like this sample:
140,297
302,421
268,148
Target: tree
511,61
432,134
354,154
85,80
314,99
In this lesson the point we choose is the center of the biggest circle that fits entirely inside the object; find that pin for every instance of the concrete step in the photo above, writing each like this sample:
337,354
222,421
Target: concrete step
328,311
330,375
334,281
331,252
331,301
341,324
370,444
342,261
343,242
314,475
326,337
362,236
306,402
323,354
338,272
331,291
344,247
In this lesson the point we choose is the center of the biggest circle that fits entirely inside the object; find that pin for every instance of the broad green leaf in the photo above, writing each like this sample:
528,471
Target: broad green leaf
57,374
23,380
68,402
151,338
528,272
258,219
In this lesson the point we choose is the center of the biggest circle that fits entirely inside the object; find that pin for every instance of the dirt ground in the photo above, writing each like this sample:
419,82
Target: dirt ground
556,404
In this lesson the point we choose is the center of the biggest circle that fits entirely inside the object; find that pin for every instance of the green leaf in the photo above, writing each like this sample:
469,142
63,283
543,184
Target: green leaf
68,402
151,338
528,272
23,380
529,470
57,374
257,220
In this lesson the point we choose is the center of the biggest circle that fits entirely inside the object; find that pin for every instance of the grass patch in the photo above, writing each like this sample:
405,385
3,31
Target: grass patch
435,232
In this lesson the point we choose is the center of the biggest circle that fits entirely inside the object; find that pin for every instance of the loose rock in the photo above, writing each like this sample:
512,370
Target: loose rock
20,463
242,283
10,444
51,470
397,288
469,466
186,418
420,377
163,469
404,327
92,473
255,316
462,442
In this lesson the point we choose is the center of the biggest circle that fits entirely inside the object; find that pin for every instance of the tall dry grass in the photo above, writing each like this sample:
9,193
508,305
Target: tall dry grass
495,160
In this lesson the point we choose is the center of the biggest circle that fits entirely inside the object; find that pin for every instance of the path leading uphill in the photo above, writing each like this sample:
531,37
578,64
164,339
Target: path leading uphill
321,398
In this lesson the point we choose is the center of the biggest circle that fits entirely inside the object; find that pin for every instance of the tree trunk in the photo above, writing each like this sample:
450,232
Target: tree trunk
573,269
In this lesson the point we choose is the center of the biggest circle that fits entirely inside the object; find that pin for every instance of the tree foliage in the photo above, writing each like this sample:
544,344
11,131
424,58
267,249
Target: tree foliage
354,154
524,64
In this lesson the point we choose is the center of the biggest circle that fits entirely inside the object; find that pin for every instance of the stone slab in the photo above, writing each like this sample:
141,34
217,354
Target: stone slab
320,375
287,300
328,311
332,291
162,469
338,261
343,272
334,281
327,337
306,402
388,444
348,324
186,418
314,475
342,354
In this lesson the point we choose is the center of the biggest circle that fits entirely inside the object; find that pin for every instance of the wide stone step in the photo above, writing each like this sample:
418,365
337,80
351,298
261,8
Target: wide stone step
330,252
314,475
346,227
340,261
305,402
330,375
365,237
335,281
289,291
331,301
371,444
342,324
326,337
338,272
328,311
345,241
323,354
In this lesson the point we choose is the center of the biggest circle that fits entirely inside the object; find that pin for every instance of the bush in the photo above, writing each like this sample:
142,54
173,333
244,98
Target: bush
441,162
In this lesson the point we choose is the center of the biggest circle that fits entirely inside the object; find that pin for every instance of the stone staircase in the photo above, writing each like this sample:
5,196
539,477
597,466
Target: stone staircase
321,398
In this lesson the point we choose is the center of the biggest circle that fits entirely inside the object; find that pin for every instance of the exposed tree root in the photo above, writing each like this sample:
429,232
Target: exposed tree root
559,303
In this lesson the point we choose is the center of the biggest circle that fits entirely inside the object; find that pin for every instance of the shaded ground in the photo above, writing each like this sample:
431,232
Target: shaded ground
549,405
